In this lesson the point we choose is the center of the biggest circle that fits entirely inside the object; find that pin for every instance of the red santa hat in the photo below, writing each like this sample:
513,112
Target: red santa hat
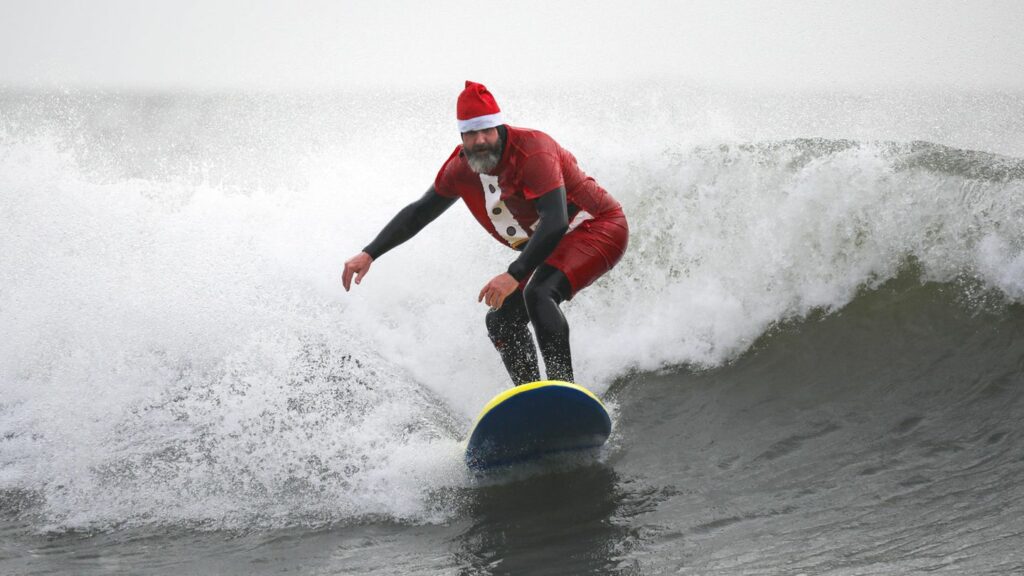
477,109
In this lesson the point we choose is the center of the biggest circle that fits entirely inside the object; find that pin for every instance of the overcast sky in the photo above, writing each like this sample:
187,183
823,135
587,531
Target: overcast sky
287,45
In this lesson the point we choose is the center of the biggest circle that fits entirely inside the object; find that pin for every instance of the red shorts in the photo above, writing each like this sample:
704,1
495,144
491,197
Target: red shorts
591,249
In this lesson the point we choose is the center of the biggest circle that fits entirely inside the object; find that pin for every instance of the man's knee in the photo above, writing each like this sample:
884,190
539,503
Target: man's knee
494,323
536,293
509,317
553,286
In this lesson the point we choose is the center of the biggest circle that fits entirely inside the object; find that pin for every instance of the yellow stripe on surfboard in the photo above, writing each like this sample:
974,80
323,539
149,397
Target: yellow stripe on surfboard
526,388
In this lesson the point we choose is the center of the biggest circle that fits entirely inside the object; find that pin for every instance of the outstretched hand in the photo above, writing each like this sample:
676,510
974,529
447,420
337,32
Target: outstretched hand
357,265
499,288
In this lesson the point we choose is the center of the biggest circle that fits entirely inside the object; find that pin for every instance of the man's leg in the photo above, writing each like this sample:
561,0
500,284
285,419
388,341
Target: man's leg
507,328
581,257
547,289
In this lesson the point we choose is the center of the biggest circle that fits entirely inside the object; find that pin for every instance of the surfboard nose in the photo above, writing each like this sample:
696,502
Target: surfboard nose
534,420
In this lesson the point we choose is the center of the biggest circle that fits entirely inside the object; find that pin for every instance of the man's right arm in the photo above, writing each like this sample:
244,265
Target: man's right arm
408,222
403,226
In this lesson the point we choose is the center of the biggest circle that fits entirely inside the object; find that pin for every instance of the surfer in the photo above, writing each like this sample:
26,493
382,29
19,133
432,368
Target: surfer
529,194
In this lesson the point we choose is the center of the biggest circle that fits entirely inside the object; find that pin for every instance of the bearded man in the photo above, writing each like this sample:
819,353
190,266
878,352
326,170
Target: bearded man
529,194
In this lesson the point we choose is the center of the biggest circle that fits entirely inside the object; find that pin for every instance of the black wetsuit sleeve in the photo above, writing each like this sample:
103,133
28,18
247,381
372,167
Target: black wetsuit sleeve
408,222
551,226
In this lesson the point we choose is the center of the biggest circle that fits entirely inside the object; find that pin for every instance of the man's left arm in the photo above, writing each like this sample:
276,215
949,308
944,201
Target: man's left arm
552,224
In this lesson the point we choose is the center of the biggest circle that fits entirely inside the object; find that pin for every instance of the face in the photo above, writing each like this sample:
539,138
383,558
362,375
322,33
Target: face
482,148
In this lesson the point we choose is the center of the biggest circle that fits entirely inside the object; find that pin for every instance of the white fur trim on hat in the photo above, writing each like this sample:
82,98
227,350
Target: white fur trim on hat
481,122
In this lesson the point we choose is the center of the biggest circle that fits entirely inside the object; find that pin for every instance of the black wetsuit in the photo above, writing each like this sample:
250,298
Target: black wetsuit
538,303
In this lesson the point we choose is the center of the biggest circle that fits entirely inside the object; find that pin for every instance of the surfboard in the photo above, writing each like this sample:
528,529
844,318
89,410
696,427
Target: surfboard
534,420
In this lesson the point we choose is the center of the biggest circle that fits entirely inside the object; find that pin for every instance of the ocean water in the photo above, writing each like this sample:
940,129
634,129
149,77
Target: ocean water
813,350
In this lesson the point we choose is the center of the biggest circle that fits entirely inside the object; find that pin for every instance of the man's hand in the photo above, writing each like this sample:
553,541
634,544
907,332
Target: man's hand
358,265
499,288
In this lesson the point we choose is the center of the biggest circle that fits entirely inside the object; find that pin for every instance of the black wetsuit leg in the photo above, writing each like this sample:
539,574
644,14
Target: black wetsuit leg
507,328
547,289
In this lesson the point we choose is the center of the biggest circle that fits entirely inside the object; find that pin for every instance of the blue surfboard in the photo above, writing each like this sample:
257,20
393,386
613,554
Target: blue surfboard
534,420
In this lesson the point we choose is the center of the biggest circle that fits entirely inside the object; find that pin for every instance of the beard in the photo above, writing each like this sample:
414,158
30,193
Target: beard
482,159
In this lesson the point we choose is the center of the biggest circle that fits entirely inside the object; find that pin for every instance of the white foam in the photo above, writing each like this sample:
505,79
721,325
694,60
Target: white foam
171,355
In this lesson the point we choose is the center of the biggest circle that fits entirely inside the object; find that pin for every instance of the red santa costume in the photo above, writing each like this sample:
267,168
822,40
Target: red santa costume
529,194
532,164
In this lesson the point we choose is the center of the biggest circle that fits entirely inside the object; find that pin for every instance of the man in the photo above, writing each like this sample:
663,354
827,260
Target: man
530,195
